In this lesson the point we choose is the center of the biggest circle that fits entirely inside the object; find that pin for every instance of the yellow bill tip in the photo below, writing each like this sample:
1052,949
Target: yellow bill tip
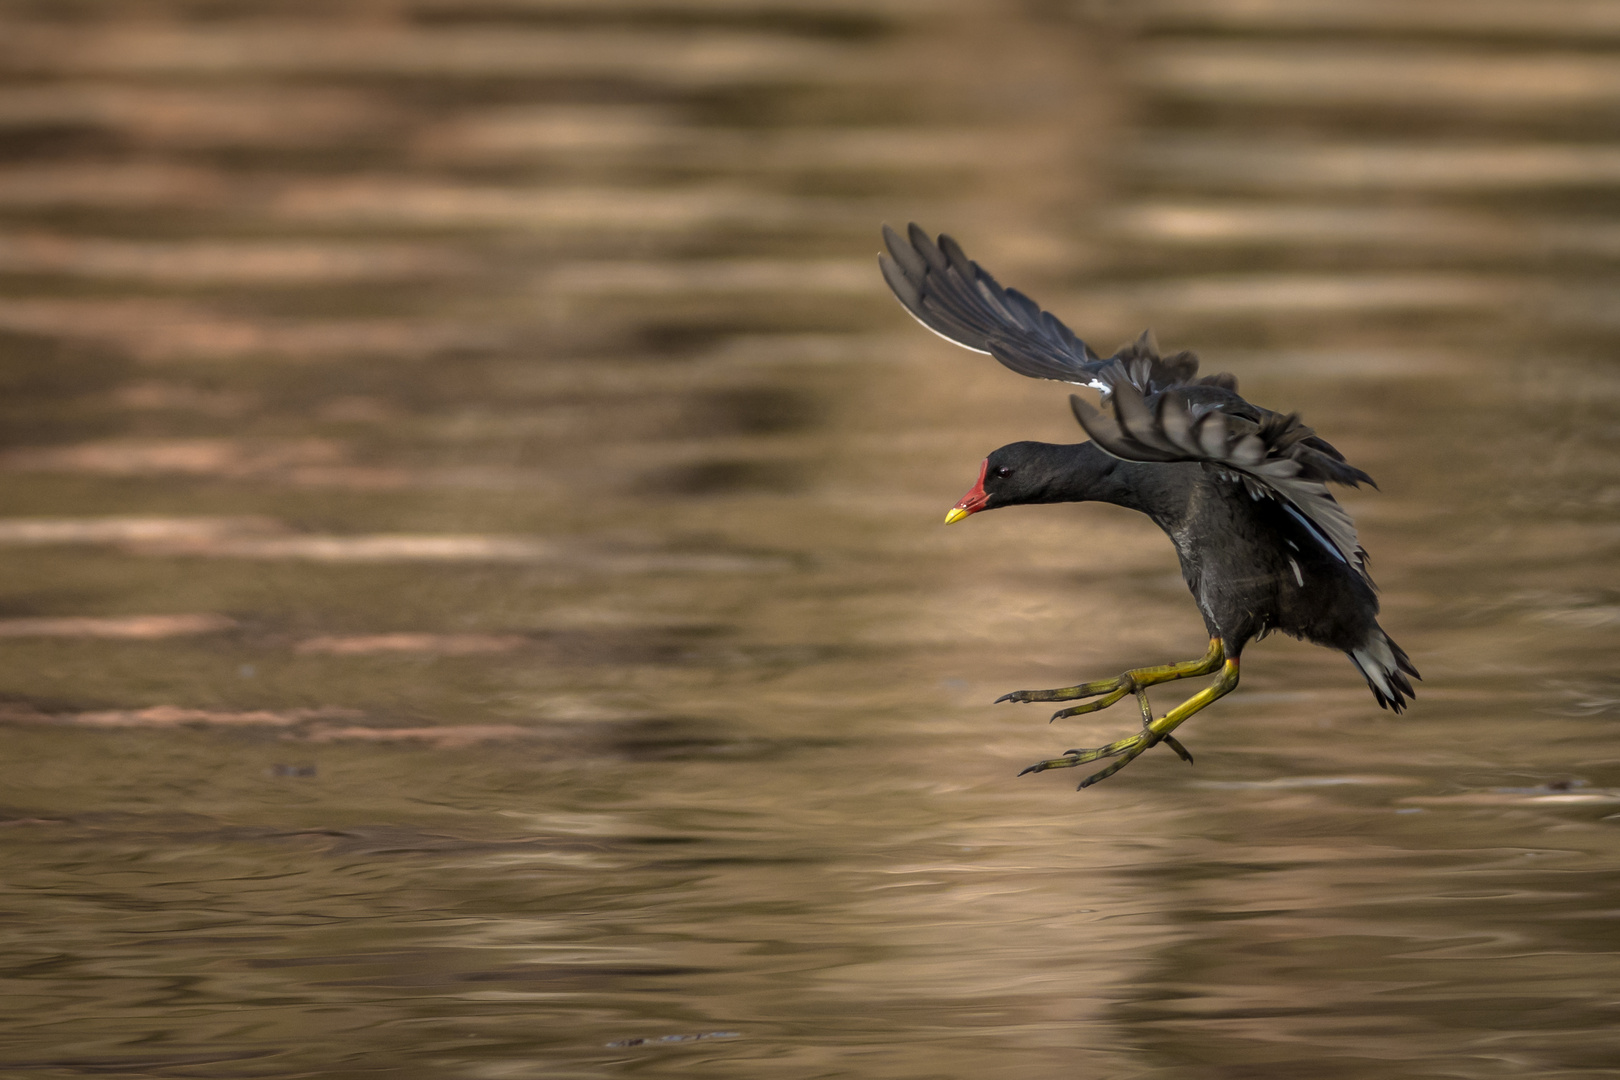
956,514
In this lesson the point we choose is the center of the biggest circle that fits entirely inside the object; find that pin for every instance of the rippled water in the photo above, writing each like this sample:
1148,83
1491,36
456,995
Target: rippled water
475,603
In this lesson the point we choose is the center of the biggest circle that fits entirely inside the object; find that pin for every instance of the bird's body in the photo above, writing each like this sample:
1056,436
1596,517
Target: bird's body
1240,490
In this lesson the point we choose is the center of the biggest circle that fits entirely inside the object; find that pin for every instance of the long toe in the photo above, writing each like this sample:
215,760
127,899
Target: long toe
1101,703
1071,758
1051,763
1134,744
1067,693
1098,777
1081,757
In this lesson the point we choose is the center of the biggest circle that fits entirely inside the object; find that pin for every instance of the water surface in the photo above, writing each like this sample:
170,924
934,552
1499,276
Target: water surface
475,603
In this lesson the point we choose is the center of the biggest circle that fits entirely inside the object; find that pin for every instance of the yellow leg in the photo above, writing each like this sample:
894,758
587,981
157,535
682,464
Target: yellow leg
1130,682
1153,732
1169,740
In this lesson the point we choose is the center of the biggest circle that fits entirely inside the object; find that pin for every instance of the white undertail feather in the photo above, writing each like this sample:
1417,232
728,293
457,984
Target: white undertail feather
1385,667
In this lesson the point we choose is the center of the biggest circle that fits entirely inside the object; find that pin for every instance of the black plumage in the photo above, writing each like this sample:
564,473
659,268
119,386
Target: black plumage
1240,490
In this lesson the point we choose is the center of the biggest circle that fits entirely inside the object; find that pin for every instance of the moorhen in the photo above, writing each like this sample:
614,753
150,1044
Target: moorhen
1240,490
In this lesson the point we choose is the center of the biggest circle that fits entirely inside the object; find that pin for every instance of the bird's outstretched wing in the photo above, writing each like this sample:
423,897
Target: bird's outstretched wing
1161,410
1272,455
953,296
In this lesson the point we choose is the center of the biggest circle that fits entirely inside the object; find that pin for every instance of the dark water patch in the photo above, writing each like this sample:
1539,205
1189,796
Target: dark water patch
44,141
838,22
627,646
161,1063
544,742
540,977
748,411
724,477
698,646
624,645
48,388
679,341
175,830
1573,22
397,840
673,739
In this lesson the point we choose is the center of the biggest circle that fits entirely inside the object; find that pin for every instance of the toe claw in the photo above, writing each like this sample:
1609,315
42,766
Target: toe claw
1063,762
1181,751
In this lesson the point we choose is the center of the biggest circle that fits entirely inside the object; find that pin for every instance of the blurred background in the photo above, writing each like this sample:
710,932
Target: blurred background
474,597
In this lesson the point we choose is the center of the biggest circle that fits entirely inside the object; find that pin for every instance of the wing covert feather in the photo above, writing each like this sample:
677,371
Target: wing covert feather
1272,456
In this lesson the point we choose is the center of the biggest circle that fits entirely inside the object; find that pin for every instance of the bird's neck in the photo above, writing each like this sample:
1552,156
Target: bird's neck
1085,473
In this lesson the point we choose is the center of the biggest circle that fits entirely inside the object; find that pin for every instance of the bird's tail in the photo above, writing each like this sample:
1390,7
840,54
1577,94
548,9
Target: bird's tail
1385,666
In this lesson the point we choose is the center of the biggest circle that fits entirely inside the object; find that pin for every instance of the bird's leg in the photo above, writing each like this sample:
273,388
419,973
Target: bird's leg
1147,721
1130,682
1153,732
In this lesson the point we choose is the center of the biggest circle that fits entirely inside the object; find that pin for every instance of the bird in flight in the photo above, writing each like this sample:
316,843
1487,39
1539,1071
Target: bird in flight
1240,490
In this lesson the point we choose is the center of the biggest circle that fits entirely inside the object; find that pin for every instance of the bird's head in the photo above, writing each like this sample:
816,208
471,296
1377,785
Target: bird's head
1027,472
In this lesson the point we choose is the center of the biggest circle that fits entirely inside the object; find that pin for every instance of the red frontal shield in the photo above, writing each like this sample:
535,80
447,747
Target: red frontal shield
974,500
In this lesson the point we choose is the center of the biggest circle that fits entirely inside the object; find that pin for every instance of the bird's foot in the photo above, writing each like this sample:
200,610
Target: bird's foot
1108,691
1127,750
1153,732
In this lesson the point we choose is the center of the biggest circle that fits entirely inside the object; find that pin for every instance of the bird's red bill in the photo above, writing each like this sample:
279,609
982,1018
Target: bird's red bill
973,501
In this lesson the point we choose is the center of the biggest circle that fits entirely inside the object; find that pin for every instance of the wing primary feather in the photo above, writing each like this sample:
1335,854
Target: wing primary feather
894,275
906,292
903,253
955,257
925,246
956,298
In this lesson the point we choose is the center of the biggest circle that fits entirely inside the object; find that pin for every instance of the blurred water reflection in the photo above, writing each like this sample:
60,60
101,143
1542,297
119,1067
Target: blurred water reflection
476,603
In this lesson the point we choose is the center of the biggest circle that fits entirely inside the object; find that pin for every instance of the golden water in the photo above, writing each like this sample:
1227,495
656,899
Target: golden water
474,598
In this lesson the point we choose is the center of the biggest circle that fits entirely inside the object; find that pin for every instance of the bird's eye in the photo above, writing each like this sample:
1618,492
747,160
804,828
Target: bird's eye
1002,470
